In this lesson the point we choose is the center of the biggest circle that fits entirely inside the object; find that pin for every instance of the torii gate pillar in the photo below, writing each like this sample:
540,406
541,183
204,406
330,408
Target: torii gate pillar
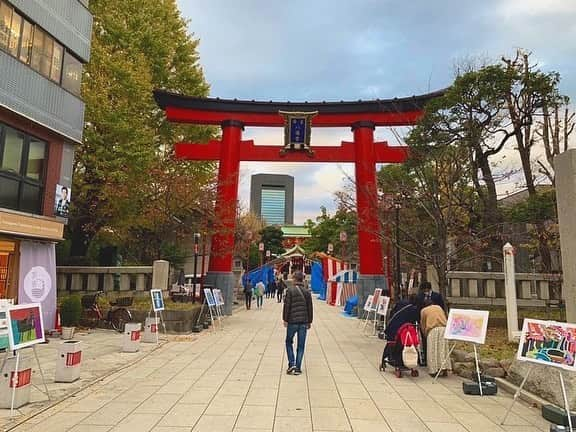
220,268
369,243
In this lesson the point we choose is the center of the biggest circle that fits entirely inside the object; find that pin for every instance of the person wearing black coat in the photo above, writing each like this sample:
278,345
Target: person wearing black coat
427,295
297,315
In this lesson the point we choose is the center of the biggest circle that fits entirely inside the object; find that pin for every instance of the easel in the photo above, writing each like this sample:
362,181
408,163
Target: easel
447,359
15,376
157,307
366,311
212,309
562,385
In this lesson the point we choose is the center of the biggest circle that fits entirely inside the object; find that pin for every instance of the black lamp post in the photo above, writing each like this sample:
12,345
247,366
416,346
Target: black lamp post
195,279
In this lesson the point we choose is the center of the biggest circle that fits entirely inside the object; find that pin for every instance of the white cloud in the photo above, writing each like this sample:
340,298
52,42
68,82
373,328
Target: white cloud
513,8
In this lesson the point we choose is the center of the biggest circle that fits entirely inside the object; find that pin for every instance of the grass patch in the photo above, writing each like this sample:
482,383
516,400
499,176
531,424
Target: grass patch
496,346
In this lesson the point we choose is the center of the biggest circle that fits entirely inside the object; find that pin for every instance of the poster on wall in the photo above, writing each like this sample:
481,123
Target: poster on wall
467,325
383,303
25,326
157,300
37,281
62,201
549,343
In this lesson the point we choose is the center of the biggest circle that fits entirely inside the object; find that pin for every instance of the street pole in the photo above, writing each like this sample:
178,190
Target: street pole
194,280
261,250
398,275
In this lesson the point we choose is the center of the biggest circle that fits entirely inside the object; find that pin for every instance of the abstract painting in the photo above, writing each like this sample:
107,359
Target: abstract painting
467,325
549,343
25,327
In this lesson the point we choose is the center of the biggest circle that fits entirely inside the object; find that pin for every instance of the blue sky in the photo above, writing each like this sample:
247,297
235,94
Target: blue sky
362,49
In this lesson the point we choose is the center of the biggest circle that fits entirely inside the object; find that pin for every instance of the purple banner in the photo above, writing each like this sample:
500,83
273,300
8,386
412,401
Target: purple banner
37,282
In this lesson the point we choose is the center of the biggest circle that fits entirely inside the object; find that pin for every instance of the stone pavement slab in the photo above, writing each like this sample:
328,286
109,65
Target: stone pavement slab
234,380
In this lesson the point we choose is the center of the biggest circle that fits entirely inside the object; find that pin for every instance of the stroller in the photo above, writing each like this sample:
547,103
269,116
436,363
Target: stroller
407,335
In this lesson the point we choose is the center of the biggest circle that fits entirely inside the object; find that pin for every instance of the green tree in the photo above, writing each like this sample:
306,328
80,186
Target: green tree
137,46
272,237
327,229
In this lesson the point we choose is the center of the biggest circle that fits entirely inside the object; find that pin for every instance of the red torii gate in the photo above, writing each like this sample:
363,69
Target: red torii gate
364,152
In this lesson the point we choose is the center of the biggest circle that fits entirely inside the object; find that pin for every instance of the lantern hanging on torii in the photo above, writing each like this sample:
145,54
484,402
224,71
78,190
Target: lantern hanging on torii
298,119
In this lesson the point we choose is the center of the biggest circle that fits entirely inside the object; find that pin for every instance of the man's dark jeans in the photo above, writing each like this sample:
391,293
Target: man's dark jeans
300,330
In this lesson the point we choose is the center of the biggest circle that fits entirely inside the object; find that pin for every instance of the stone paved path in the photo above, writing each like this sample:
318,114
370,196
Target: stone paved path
234,380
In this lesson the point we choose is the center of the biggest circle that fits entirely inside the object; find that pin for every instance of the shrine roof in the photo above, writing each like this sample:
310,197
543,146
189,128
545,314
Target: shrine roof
397,105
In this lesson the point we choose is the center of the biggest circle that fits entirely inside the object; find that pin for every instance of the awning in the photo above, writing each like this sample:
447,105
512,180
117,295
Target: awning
346,276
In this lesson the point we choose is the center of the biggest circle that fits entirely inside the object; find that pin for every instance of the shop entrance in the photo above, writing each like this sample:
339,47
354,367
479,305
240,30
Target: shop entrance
7,268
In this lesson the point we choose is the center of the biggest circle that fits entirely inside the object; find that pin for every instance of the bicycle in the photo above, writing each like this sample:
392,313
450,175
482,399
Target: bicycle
116,317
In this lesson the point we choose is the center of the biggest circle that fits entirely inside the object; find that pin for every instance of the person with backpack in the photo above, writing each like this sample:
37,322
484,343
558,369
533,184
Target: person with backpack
259,293
297,315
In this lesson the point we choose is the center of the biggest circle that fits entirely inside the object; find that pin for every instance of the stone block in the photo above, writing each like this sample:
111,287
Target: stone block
495,372
464,369
544,381
489,363
459,355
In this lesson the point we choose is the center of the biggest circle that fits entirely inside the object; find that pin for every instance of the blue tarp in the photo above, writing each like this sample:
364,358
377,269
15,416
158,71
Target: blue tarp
264,274
351,304
317,282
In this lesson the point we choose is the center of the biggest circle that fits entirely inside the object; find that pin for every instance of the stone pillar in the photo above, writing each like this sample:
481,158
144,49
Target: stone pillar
473,288
160,274
565,168
510,291
491,288
455,288
526,289
544,290
93,282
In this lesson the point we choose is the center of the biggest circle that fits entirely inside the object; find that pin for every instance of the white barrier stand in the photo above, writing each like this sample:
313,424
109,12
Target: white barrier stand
151,330
131,338
15,382
69,361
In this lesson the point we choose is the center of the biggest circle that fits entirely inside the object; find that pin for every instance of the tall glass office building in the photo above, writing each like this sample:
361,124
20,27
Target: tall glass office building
272,198
273,205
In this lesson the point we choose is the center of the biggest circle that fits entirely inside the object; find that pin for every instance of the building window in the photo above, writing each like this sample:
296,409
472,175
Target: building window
26,42
5,20
36,48
22,167
15,28
57,55
273,204
72,76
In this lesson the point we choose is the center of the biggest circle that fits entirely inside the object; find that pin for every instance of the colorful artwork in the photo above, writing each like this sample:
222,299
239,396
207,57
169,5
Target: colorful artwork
25,327
467,325
383,303
4,341
368,304
376,299
548,342
157,300
209,297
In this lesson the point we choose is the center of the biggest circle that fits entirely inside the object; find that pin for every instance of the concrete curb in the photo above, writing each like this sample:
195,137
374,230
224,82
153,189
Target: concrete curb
525,395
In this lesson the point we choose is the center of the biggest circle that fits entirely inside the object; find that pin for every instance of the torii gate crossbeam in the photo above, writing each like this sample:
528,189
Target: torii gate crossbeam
364,152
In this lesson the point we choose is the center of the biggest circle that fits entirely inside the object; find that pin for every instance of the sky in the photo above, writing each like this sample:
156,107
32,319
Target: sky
315,50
